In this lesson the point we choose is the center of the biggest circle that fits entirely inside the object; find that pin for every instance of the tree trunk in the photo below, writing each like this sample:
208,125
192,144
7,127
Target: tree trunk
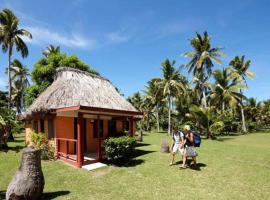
244,128
223,106
28,182
204,98
9,76
169,117
157,119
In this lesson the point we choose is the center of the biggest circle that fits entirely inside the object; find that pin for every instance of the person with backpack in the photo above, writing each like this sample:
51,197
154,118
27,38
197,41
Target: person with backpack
178,144
189,144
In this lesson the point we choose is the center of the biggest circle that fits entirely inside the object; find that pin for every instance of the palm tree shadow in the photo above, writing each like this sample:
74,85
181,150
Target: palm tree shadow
53,195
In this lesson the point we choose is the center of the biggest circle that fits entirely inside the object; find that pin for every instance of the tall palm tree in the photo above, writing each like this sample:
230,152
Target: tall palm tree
226,89
172,84
10,37
19,78
153,97
202,58
241,68
51,50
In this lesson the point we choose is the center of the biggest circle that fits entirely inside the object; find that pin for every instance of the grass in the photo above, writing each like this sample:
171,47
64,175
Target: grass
232,167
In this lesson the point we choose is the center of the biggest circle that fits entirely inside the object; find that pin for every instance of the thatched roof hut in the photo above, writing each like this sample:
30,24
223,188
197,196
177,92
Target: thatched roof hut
73,87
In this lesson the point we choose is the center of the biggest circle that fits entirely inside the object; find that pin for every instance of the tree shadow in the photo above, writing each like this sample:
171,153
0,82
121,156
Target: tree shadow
224,139
133,159
141,144
14,148
2,194
53,195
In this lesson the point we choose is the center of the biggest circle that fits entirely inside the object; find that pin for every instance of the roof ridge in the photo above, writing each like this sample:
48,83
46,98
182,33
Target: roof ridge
63,69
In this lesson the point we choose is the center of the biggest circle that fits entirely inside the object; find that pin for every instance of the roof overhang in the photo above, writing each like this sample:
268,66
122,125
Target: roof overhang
96,110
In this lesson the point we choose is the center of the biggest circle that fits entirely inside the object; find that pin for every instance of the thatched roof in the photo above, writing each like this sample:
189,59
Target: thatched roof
73,87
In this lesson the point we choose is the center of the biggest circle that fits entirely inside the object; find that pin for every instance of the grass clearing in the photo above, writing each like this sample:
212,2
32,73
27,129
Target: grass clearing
232,167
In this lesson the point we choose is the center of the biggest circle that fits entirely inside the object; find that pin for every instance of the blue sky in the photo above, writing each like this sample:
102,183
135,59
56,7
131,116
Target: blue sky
127,40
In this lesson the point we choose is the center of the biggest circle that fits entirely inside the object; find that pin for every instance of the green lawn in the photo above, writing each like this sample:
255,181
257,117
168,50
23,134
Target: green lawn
232,167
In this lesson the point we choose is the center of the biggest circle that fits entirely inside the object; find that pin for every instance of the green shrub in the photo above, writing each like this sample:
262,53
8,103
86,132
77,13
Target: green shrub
119,149
40,141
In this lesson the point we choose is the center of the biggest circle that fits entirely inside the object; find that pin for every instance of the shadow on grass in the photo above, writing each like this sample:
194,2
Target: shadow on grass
133,161
53,195
14,148
2,194
189,161
222,139
45,195
141,144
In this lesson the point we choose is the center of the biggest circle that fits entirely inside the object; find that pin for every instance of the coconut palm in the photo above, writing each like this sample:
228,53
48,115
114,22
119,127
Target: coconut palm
10,37
172,84
19,78
226,89
51,50
154,98
206,120
202,58
241,68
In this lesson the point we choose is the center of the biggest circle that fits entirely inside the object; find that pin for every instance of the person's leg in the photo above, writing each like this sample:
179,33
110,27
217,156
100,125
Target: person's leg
184,159
173,157
194,161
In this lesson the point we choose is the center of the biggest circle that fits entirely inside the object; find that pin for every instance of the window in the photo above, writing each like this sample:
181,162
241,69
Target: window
112,128
100,128
50,129
42,125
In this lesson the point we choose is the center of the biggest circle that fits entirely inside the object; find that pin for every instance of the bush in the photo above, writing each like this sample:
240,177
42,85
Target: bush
119,149
40,141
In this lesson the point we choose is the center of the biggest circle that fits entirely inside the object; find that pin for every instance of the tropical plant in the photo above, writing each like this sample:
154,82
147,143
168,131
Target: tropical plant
241,68
44,72
206,120
51,50
19,78
201,62
172,84
225,90
10,37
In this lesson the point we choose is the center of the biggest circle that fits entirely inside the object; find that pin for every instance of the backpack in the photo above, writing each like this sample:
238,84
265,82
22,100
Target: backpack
197,139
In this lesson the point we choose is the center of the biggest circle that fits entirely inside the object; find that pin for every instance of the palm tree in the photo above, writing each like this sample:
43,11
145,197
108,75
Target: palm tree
202,58
171,85
19,78
10,37
241,68
51,50
153,97
206,119
226,89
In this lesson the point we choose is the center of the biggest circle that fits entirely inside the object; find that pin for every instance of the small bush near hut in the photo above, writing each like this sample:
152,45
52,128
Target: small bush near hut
40,141
119,149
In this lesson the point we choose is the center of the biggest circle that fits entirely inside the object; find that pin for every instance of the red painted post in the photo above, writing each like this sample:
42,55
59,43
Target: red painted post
99,139
79,140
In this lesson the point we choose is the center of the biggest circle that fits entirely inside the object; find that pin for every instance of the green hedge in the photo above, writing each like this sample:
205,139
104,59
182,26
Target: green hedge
119,149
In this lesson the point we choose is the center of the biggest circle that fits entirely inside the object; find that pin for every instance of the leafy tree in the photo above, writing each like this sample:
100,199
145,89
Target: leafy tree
225,90
206,120
202,58
172,84
44,72
51,50
19,77
10,37
241,68
153,99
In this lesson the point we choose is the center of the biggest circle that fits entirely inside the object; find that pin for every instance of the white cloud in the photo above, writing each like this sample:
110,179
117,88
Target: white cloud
116,37
44,36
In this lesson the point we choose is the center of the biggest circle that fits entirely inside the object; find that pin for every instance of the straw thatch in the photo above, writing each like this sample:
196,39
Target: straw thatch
73,87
